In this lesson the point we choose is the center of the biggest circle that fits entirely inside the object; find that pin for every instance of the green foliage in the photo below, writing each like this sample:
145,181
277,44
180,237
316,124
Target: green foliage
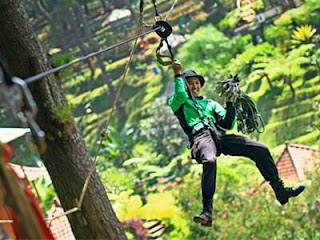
303,35
241,213
230,21
278,35
144,163
47,198
258,5
300,15
117,180
61,59
208,47
160,206
63,113
313,5
161,130
281,66
244,62
302,125
118,147
151,146
149,87
209,51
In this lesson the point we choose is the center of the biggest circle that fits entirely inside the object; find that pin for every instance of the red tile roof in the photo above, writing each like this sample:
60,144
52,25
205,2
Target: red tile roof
295,160
31,173
60,227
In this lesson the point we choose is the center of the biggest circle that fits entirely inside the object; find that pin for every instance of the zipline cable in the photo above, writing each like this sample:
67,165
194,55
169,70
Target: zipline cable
171,9
155,8
54,70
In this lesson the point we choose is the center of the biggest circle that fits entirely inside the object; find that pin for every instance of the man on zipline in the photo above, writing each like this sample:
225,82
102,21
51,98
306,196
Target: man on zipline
202,120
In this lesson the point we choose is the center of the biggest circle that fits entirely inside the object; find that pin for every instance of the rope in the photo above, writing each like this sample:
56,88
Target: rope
160,57
104,134
248,117
63,214
155,7
171,9
80,59
48,219
141,8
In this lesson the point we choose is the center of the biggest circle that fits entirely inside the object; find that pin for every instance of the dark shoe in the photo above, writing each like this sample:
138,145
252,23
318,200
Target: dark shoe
205,219
284,193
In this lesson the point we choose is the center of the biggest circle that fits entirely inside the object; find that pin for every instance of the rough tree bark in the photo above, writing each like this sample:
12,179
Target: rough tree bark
66,158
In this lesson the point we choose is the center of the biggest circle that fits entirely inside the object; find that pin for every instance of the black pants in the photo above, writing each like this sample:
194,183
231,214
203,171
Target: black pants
205,151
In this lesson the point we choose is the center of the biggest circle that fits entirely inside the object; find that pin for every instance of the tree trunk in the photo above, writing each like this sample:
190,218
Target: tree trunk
66,158
288,81
104,5
83,50
42,10
268,80
84,3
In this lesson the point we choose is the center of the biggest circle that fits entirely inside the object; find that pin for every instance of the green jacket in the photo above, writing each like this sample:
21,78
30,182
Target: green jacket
208,108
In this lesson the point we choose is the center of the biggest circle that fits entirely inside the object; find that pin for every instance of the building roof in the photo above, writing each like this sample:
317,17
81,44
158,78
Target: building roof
30,173
9,134
295,160
60,227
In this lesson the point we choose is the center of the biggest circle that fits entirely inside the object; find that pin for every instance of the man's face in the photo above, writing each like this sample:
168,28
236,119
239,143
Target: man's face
194,85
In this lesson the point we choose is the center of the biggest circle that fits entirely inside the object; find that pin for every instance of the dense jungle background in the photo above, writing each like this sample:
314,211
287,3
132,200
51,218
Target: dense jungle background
144,164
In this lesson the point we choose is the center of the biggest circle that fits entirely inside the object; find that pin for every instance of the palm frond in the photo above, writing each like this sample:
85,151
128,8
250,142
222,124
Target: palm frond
303,34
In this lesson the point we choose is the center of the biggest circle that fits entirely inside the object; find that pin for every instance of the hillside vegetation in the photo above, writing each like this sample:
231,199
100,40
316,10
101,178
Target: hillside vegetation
144,163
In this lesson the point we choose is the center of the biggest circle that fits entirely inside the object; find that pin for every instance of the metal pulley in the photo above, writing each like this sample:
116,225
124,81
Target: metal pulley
15,95
165,29
164,59
164,32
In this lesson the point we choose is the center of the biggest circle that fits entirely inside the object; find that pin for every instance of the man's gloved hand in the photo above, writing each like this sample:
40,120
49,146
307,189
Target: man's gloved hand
177,67
229,89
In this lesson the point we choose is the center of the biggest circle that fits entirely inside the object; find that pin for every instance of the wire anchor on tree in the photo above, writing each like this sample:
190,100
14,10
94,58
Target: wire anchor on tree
15,95
248,117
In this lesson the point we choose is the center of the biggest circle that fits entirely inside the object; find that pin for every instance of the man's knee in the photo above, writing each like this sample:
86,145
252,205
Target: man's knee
261,152
209,167
264,149
211,160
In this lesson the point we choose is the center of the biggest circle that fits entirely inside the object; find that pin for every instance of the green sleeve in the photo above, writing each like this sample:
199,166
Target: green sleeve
224,117
180,94
218,109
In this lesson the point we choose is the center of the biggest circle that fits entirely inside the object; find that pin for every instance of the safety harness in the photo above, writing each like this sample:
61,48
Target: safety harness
166,60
